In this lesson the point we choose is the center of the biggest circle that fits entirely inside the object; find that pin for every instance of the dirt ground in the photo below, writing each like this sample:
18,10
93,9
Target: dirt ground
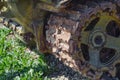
61,71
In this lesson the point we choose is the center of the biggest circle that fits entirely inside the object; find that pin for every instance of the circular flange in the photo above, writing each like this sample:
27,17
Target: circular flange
97,38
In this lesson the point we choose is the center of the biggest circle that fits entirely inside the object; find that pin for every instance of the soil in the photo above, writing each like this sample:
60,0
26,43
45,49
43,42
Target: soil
61,71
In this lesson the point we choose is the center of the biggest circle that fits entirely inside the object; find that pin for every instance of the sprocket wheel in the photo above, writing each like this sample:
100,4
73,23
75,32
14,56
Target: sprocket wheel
87,39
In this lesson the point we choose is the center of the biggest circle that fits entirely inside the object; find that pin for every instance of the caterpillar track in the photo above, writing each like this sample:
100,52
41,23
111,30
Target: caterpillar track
84,35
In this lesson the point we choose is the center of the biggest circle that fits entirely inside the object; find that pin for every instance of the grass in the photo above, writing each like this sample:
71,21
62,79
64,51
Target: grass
16,63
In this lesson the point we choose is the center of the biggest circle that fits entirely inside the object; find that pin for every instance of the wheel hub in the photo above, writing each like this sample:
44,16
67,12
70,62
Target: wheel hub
97,39
102,47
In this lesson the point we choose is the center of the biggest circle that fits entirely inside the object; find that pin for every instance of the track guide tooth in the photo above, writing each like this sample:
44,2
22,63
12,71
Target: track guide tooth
13,25
6,22
2,19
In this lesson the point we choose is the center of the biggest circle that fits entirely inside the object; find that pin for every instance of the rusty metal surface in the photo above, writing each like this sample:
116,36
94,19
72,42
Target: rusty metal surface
67,48
62,35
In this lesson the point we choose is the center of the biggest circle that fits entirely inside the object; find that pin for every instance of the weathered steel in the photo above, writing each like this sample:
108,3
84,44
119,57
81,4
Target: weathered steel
83,34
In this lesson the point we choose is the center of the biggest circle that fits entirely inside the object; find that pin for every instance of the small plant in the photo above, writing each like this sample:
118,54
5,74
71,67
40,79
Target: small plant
16,62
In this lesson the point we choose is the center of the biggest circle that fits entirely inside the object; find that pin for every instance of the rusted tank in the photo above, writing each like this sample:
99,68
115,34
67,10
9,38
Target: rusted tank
84,34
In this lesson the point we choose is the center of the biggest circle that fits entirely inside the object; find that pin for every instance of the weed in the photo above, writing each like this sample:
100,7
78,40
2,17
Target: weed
18,64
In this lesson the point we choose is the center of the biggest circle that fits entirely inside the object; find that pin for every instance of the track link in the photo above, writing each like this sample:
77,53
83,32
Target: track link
63,34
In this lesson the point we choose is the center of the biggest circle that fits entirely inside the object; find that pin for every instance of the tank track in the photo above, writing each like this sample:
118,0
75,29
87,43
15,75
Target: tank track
18,31
63,36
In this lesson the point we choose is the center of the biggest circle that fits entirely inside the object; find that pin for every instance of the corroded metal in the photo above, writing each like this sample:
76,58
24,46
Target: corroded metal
70,27
31,15
70,53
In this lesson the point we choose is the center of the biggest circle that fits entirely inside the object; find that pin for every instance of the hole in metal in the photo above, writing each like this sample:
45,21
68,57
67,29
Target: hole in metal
91,73
85,52
92,24
106,10
106,54
118,10
113,29
98,40
118,70
106,76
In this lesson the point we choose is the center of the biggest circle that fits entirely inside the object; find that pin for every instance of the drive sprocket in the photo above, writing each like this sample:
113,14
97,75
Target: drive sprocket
86,38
